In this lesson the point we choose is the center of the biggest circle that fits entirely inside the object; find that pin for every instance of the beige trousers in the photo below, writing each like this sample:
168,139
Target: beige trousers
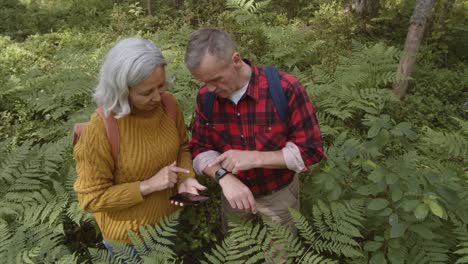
273,207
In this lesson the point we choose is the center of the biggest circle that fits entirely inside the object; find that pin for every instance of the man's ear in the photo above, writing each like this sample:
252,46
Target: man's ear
236,58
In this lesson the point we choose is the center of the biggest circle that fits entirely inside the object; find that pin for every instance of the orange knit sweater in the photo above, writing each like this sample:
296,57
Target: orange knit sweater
148,142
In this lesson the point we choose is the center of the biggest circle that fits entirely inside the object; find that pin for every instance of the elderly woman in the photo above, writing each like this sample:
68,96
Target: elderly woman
154,160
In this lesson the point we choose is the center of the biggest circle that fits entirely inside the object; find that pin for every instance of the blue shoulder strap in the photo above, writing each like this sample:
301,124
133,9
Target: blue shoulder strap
208,102
274,86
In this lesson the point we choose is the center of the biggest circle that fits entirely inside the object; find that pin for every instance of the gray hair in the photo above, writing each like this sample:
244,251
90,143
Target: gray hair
215,41
129,62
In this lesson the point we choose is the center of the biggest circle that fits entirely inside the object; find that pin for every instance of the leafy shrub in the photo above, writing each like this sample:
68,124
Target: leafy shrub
393,188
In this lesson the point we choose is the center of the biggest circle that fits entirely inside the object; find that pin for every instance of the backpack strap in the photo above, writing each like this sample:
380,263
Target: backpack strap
112,133
169,103
207,107
112,128
274,85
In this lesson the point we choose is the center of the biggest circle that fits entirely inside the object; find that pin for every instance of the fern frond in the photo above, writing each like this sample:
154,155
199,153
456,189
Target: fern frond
462,248
102,256
78,215
248,6
33,245
453,144
6,235
426,251
310,258
463,125
369,67
68,259
223,253
284,242
151,244
125,252
331,231
9,167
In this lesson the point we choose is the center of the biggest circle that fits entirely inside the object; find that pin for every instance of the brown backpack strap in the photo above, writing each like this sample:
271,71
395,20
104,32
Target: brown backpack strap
170,104
112,134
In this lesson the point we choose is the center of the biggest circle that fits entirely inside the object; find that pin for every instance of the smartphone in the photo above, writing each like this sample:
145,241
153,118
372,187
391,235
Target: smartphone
188,198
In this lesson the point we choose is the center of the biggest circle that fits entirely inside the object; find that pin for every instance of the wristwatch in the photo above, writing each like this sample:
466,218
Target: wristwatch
220,174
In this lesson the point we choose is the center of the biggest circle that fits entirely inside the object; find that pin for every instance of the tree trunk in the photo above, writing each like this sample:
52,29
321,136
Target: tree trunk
366,8
148,6
421,13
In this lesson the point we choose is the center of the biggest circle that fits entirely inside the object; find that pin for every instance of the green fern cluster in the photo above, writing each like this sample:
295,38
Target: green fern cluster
333,231
33,203
335,228
462,248
450,145
152,244
248,6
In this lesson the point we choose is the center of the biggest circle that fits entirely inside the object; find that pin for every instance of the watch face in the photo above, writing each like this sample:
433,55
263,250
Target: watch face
221,172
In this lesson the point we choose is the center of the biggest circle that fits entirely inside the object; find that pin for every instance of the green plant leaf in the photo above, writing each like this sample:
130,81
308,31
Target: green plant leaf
378,258
377,204
373,132
436,209
372,246
393,219
409,205
397,194
421,211
422,231
397,230
376,176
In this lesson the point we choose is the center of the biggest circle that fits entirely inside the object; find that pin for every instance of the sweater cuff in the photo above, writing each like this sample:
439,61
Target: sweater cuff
134,192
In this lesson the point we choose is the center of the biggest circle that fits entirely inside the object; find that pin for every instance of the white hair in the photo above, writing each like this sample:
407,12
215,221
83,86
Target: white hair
128,63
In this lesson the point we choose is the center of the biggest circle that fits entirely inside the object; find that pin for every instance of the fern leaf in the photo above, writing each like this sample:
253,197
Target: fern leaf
462,249
248,6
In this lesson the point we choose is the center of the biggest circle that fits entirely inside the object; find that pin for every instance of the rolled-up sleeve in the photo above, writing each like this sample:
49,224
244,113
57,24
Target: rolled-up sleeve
304,130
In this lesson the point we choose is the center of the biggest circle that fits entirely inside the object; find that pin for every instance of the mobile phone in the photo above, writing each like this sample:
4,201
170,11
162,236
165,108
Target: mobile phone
188,198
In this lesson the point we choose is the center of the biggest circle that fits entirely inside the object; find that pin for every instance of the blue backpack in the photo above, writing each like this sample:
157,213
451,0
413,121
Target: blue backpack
274,86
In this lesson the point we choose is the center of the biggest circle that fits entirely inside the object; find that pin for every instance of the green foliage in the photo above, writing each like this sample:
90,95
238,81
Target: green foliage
393,186
149,245
334,230
33,203
437,95
272,243
248,6
24,18
462,248
334,30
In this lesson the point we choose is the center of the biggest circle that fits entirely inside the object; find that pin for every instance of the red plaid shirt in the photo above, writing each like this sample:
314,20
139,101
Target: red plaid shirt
254,124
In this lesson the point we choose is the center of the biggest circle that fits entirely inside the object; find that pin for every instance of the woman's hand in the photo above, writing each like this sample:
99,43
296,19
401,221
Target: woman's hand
190,185
165,178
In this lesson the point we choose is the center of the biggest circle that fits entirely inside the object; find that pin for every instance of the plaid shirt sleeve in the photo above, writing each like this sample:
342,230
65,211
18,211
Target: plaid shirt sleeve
303,130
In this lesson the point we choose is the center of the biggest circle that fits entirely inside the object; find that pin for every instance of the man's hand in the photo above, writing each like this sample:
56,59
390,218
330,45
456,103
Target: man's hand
238,160
237,194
